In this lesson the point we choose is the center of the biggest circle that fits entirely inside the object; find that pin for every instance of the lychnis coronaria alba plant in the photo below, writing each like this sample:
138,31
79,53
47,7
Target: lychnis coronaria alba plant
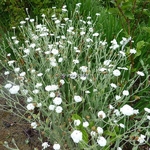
77,89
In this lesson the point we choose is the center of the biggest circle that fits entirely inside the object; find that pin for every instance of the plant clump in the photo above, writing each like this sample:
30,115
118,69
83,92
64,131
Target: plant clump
77,88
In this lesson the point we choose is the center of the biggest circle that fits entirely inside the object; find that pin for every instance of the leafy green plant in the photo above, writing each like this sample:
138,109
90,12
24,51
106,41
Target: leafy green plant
134,16
77,88
14,11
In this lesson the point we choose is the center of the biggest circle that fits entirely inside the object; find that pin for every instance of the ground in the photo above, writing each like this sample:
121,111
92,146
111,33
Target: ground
12,126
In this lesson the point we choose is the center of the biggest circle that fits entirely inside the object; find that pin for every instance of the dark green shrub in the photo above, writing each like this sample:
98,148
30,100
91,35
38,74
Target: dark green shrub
13,11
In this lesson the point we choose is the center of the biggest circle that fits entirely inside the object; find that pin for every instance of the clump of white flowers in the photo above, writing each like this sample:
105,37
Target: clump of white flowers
76,89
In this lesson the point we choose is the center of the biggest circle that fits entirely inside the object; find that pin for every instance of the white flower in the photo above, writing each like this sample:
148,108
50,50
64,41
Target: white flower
58,109
114,45
31,20
9,54
100,130
13,37
123,68
60,59
34,125
32,45
39,74
26,19
10,62
140,73
51,88
91,29
89,40
22,74
83,68
43,15
87,92
122,53
101,141
76,50
122,125
38,85
75,61
97,14
127,110
119,148
136,111
62,81
116,112
36,91
33,71
88,17
29,99
6,72
39,104
115,121
78,4
77,98
77,122
64,10
82,33
113,85
102,69
16,70
132,51
117,97
96,34
45,145
63,37
56,146
83,77
93,133
89,22
73,75
8,86
85,124
94,90
14,89
125,40
52,94
16,41
116,73
26,51
148,117
103,43
66,19
141,139
30,106
147,110
101,114
52,63
51,107
107,62
55,51
57,21
57,100
111,107
24,92
125,92
76,136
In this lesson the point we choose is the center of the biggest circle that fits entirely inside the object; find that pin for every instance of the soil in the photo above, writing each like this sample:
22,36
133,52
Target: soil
13,127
